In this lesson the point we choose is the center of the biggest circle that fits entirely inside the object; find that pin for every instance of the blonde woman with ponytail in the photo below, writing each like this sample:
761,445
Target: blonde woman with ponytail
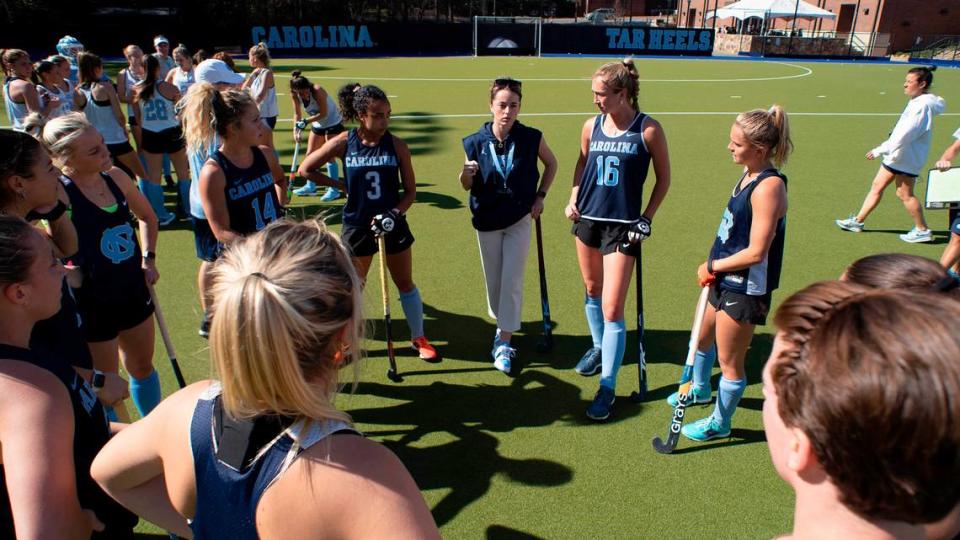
743,268
609,219
263,453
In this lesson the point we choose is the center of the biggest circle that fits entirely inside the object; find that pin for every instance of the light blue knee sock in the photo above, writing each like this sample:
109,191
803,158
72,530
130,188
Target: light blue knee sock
614,342
145,392
111,414
333,170
154,195
166,165
413,309
728,396
594,311
703,366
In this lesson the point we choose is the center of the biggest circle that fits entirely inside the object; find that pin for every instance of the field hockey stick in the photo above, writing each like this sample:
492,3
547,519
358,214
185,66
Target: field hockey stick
392,373
545,344
165,335
293,166
641,394
676,422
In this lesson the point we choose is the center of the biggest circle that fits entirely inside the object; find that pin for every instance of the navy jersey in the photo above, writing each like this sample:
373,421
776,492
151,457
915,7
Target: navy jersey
734,236
109,252
373,179
234,462
505,187
91,432
61,336
611,188
252,201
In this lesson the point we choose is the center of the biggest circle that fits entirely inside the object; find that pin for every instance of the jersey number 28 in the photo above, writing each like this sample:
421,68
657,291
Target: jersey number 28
154,110
607,172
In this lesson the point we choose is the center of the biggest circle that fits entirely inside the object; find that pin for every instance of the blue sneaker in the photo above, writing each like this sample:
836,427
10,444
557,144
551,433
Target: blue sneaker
702,394
590,363
602,402
915,236
332,194
307,190
503,358
705,429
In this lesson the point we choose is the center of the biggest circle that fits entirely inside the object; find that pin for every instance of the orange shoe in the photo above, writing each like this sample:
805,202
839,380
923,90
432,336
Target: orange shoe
426,351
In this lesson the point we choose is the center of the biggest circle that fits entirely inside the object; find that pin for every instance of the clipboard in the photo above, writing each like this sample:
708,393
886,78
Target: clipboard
943,189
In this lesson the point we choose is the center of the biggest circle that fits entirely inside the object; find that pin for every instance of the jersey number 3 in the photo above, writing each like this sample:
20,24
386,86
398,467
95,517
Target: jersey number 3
374,192
607,172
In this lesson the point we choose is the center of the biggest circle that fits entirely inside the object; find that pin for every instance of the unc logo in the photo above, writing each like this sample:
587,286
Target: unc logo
723,233
117,243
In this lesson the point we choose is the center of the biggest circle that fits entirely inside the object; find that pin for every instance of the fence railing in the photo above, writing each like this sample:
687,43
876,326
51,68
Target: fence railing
936,47
786,43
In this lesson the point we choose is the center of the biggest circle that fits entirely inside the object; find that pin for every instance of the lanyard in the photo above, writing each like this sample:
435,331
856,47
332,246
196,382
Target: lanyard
506,166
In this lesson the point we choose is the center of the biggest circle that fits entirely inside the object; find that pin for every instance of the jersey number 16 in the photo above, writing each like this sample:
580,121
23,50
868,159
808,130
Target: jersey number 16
607,172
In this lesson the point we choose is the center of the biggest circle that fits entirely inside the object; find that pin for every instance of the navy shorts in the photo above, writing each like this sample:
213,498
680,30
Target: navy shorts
271,122
119,149
362,243
168,141
895,171
741,307
332,130
105,317
607,236
206,244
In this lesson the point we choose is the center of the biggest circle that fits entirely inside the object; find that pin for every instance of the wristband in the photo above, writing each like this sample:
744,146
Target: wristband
710,266
53,215
149,256
542,194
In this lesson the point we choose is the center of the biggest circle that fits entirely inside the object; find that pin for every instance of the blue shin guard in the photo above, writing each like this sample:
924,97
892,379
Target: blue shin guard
145,392
413,309
614,342
728,396
594,312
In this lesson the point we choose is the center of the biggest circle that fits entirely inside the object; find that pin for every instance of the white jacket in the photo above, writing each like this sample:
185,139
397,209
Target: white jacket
909,143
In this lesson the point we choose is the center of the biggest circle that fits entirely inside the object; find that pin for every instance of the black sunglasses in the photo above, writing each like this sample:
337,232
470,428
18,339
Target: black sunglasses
508,82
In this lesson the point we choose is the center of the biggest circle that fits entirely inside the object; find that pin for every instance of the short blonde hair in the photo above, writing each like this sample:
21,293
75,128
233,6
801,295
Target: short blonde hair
59,134
287,312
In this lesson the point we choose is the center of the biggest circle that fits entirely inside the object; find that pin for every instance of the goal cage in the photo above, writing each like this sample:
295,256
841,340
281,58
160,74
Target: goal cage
507,36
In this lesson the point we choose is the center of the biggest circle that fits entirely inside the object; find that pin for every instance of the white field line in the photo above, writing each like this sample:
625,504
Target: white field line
804,72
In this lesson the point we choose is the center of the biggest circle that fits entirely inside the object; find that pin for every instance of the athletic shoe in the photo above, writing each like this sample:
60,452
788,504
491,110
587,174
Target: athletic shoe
307,190
427,352
602,402
915,236
705,429
702,394
503,358
850,224
332,194
205,325
167,219
590,363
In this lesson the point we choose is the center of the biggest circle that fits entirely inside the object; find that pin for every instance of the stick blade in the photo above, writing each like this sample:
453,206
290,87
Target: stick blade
667,447
394,376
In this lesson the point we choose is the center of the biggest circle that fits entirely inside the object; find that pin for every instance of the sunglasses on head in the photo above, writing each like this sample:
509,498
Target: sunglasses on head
508,82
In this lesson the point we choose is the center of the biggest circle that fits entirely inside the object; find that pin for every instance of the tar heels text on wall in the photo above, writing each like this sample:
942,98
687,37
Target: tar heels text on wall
313,37
659,39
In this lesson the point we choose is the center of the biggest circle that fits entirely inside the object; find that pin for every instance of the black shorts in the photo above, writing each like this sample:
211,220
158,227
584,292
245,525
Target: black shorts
362,243
206,244
607,236
741,307
119,149
271,122
895,171
168,141
104,318
332,130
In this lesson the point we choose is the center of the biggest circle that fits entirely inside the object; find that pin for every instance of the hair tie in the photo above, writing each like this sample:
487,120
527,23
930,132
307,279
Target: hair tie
771,111
260,275
357,88
947,283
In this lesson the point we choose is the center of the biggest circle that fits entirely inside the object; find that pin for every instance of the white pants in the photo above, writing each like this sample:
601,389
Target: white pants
503,255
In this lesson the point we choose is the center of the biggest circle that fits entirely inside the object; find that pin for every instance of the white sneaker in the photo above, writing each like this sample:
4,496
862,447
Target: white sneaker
503,358
307,190
915,236
850,224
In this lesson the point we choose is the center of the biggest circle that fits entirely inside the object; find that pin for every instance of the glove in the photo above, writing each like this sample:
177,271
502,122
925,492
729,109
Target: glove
384,223
704,276
301,124
639,231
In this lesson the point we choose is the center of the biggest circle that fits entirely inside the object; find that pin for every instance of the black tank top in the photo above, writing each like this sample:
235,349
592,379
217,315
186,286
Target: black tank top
91,432
250,194
109,253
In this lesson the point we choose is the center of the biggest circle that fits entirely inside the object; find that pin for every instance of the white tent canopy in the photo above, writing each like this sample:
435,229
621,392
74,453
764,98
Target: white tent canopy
771,9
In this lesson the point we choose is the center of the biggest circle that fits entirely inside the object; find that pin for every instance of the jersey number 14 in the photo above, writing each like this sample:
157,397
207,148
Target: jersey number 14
269,211
607,172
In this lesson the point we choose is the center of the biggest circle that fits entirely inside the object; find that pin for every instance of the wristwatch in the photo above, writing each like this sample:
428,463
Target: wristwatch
98,380
149,255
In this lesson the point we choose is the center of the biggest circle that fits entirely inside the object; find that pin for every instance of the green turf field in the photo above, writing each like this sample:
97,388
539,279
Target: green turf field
517,458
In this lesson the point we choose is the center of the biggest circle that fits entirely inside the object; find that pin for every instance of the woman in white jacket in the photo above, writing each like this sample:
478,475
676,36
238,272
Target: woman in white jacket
904,154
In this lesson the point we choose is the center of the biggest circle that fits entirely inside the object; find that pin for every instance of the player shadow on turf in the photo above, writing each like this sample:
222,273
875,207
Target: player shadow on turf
939,237
465,466
738,437
420,130
438,200
500,532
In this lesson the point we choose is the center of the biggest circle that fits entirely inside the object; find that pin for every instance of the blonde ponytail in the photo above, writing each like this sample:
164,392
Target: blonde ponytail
287,312
197,114
769,129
